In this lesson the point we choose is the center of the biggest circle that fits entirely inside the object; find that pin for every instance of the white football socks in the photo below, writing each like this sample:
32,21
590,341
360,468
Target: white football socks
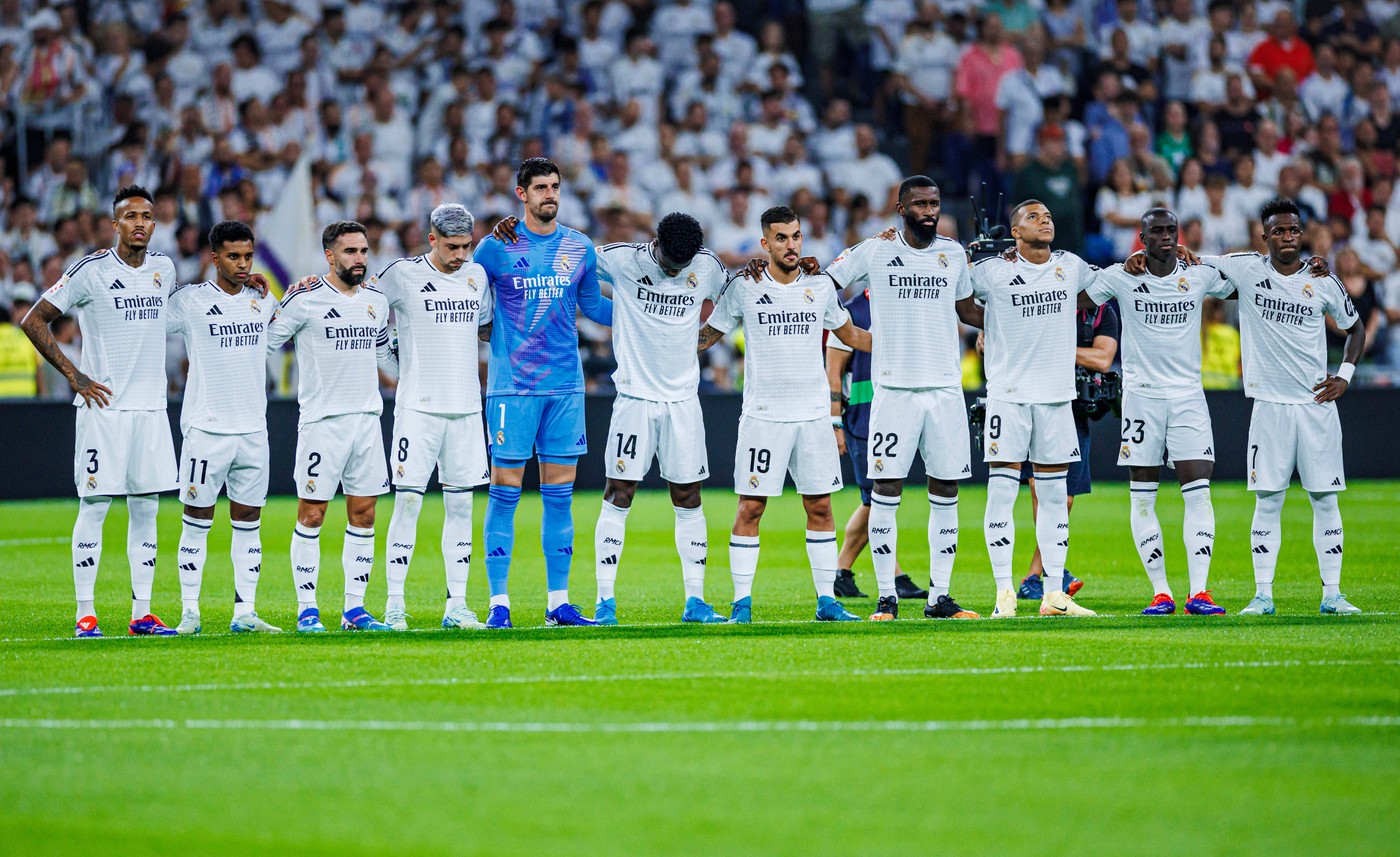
306,564
456,544
87,551
141,550
743,564
1052,523
821,554
999,525
1327,541
884,541
245,548
401,539
1147,534
1265,535
1198,532
194,547
357,558
693,545
942,543
608,537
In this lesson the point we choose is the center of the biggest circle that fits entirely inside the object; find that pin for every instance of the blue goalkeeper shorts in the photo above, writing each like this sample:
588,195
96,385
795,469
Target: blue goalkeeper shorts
522,426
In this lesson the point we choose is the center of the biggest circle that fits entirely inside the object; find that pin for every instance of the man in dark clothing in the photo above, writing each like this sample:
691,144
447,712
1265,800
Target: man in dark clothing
1053,179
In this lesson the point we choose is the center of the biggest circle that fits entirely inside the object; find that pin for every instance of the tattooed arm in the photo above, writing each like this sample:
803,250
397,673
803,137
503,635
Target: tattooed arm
708,336
36,326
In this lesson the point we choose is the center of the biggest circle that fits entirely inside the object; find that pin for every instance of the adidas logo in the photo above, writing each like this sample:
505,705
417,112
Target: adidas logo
1335,550
189,566
363,578
567,551
117,284
896,262
87,563
882,550
836,482
1208,451
308,586
702,561
1019,281
237,599
765,300
332,314
466,560
150,563
1074,453
951,549
1264,285
702,471
967,468
1261,549
1205,551
522,264
1063,544
1000,543
1337,481
214,310
1155,555
582,440
646,281
612,560
428,288
1141,290
257,569
498,552
399,560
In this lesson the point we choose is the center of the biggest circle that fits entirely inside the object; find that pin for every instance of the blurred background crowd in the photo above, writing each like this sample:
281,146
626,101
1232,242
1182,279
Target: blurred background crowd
1101,108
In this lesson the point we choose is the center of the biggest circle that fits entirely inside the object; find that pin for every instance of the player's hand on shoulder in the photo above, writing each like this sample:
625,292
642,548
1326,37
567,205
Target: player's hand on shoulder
1318,267
887,234
809,265
754,269
504,230
1330,390
1009,254
259,282
1136,264
302,284
1184,254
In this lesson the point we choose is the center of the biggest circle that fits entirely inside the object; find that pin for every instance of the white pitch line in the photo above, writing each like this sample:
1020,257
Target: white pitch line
720,726
453,681
53,540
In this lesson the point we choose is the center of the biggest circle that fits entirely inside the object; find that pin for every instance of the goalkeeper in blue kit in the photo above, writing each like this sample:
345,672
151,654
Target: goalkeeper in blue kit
534,394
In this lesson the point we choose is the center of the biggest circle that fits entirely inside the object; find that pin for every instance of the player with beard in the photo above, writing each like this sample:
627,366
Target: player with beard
341,328
919,290
784,428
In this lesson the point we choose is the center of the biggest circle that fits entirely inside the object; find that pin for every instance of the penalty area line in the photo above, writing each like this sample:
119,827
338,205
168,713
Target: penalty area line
683,727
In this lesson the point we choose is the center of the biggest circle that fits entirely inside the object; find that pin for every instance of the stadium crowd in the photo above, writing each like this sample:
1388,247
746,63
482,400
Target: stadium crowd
1101,108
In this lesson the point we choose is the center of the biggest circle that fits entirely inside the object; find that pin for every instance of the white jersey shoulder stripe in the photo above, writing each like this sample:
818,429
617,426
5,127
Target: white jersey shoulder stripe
311,288
74,268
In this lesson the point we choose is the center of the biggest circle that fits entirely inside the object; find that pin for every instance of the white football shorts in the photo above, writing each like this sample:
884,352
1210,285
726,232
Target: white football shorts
1039,433
453,443
341,451
1306,436
123,452
1158,430
235,463
932,423
671,432
768,451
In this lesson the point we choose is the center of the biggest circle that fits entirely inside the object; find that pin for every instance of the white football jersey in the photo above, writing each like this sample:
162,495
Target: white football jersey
913,320
121,311
341,341
656,319
225,337
1030,325
1161,325
784,370
1283,335
437,316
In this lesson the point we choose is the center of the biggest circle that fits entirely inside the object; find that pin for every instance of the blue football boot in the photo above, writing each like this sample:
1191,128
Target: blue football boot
831,610
605,611
696,610
741,611
498,618
566,615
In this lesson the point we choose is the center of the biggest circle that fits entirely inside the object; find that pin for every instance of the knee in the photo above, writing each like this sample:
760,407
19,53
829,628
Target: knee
940,488
750,511
1324,502
889,487
620,493
311,516
686,496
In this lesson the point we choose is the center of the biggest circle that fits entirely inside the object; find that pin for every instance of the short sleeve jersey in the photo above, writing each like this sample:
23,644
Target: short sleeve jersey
339,341
1161,326
437,316
1283,332
538,285
225,337
121,311
784,370
1030,325
914,322
656,319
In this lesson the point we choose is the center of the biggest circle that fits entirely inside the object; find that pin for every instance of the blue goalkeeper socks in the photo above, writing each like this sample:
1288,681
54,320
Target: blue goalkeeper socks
499,531
557,533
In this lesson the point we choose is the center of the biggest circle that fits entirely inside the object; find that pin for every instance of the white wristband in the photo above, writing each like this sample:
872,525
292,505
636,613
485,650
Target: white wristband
1345,371
836,422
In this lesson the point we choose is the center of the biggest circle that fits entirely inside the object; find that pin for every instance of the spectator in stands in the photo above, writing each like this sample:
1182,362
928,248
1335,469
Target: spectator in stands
19,362
1220,348
1282,49
1053,179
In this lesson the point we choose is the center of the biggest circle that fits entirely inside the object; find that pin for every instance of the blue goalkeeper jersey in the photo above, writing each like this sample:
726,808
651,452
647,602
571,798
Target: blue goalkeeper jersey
540,282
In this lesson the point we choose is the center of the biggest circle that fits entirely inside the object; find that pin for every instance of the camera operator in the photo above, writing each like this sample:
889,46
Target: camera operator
1096,346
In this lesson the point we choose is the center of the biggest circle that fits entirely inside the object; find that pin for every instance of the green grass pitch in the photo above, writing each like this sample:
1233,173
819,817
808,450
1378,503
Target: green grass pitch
1114,735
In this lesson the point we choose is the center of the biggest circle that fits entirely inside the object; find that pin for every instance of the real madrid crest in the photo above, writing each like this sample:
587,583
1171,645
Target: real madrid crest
257,308
942,260
1181,285
564,261
1060,274
192,493
691,280
807,296
371,311
1307,290
155,279
753,480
